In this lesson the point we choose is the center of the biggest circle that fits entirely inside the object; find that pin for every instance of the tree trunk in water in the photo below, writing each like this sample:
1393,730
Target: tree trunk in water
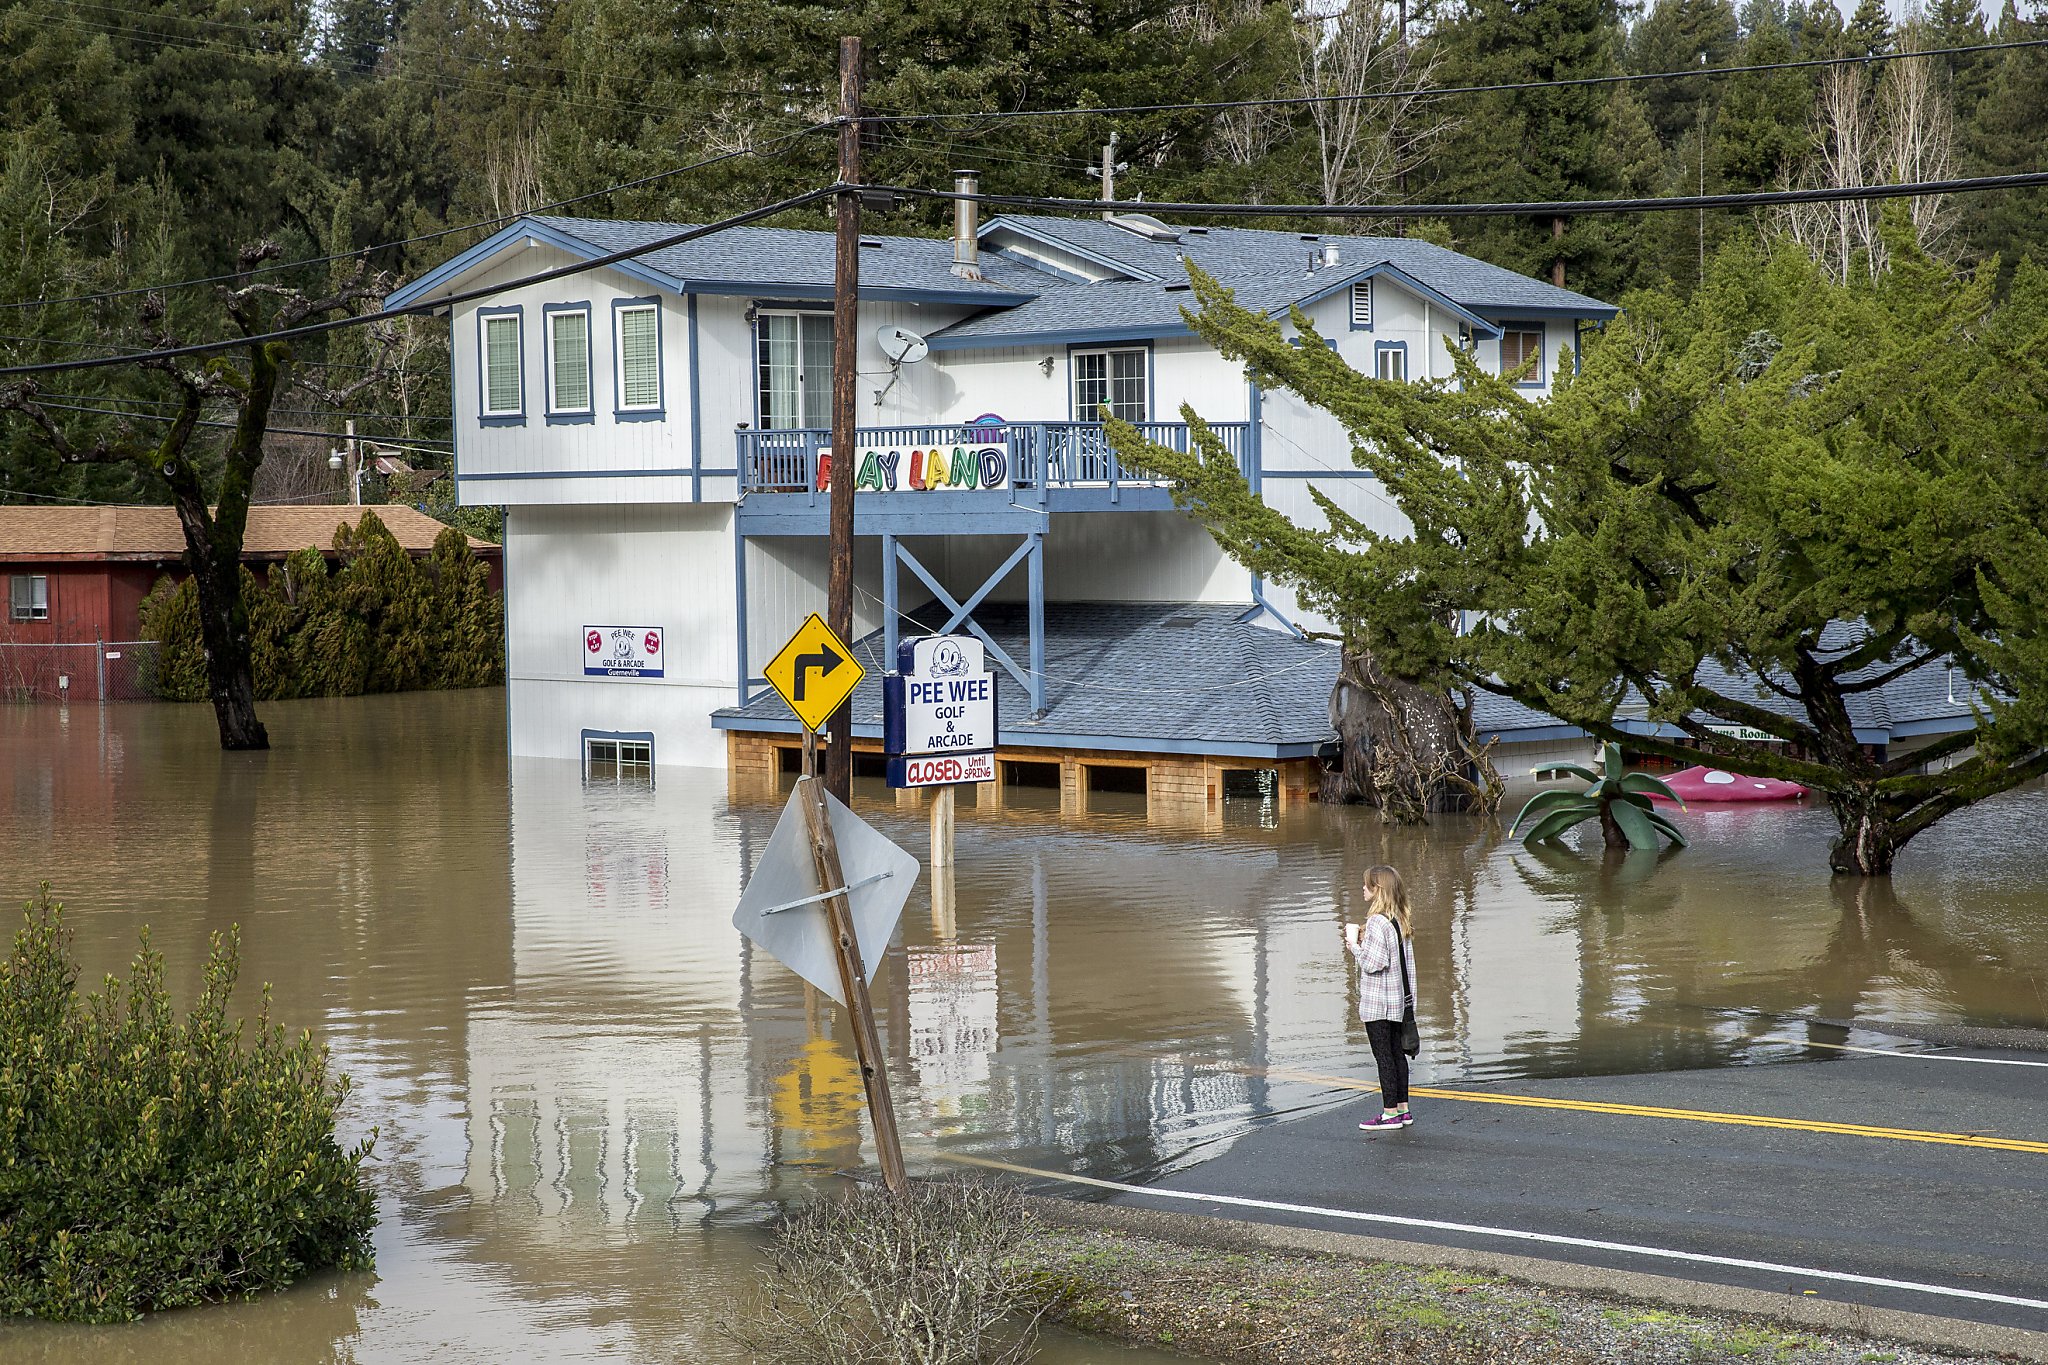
1610,828
230,673
1403,748
1869,840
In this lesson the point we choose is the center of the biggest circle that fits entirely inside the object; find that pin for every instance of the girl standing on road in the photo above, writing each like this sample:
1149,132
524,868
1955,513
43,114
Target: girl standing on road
1386,992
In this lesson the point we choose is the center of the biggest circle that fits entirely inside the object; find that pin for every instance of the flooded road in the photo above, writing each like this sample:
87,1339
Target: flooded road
589,1094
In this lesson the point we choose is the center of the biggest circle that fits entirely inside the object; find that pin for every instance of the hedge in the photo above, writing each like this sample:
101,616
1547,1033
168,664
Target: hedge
150,1162
377,620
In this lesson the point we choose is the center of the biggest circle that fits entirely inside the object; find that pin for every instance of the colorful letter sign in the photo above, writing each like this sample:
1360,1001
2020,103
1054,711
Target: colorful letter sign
622,651
940,704
963,467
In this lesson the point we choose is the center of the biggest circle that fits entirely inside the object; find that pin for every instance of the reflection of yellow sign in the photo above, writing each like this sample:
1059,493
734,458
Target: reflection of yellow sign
815,672
818,1101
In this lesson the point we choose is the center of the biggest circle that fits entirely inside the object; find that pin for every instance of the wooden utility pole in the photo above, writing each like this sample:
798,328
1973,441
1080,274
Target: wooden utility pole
1557,261
853,983
845,356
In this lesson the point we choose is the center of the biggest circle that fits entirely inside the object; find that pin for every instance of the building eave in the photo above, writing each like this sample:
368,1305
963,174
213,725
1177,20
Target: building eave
1057,243
942,341
1389,270
442,277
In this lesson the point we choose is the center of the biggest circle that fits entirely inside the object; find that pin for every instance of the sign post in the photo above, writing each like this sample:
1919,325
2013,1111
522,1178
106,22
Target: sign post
816,673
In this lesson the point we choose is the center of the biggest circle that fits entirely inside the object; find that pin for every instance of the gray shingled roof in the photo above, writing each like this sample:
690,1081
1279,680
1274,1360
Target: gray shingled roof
1133,675
1921,701
1246,254
798,259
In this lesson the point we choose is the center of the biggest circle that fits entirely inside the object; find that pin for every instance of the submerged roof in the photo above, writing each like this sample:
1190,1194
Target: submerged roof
1142,677
153,533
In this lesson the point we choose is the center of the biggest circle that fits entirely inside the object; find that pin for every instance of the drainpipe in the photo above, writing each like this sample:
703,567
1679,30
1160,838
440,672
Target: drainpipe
966,216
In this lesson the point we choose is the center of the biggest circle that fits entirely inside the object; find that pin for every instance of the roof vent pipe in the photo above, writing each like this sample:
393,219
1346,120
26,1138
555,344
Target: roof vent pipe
966,225
1330,255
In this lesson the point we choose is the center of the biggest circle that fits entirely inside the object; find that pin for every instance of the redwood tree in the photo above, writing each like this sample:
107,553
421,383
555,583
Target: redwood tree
1749,510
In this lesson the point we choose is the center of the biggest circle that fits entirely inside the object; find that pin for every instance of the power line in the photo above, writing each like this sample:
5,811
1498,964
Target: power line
753,215
291,412
1285,101
1552,208
760,150
752,150
423,445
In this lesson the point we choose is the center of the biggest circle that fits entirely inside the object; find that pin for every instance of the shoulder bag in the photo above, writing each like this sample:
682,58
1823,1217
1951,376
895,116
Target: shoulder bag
1411,1037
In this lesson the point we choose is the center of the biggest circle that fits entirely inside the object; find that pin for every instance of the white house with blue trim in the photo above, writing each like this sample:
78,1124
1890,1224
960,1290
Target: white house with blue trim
655,430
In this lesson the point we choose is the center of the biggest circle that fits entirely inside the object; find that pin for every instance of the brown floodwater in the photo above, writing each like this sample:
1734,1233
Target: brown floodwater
590,1097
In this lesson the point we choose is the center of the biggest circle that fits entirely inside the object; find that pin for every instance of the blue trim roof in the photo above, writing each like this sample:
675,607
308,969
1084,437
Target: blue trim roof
787,263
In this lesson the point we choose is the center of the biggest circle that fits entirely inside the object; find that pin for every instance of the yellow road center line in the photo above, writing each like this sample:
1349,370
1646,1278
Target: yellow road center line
1648,1111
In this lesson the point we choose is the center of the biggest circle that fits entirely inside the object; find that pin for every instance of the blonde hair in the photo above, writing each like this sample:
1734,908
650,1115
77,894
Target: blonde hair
1387,896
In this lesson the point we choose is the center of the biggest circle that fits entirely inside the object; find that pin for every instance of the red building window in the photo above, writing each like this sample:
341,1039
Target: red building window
28,597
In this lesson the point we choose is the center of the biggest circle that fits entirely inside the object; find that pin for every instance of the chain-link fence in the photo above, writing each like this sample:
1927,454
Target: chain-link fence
97,670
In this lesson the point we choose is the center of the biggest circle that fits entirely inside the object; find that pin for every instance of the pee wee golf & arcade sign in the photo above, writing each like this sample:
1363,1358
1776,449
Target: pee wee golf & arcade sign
939,713
622,652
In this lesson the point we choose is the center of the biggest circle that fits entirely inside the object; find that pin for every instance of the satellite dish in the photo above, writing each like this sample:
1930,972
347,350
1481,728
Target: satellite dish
901,345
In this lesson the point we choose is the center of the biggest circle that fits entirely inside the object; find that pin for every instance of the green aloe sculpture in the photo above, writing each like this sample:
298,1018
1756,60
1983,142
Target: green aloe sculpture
1619,800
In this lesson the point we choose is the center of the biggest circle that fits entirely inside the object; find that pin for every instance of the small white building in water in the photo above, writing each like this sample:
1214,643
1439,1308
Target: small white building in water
654,430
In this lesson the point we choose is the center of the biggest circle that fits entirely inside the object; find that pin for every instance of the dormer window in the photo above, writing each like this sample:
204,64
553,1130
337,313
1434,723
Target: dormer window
1361,306
502,388
568,343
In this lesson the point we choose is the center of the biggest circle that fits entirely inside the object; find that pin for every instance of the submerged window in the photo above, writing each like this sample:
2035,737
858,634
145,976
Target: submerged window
624,762
28,597
1111,379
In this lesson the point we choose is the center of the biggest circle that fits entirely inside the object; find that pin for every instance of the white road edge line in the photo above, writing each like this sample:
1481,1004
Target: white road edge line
1911,1056
1515,1234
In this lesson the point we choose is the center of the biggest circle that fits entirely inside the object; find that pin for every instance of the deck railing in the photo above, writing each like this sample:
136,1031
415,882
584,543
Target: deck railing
1043,455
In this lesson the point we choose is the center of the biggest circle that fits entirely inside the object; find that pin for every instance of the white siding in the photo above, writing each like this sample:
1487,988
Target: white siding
786,581
568,454
571,567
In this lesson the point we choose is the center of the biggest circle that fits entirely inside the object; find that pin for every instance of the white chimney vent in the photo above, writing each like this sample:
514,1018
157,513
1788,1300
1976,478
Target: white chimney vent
966,227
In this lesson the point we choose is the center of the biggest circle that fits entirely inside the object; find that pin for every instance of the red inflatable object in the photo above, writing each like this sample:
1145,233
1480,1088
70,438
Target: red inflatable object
1712,784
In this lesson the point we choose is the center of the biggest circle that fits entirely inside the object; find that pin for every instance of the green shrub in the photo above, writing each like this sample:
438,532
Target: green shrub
378,620
149,1162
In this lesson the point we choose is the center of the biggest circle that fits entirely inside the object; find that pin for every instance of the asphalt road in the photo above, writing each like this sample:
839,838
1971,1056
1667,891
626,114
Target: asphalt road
1844,1186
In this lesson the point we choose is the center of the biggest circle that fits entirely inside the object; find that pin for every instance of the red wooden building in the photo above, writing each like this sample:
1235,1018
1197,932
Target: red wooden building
76,577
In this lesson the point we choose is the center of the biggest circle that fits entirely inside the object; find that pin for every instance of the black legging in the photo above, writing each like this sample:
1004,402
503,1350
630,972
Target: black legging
1386,1050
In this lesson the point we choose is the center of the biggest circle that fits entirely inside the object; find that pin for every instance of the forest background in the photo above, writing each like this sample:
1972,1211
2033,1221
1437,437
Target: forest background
151,140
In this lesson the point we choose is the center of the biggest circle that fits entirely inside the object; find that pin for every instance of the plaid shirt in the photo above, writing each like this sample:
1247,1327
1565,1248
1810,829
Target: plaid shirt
1379,979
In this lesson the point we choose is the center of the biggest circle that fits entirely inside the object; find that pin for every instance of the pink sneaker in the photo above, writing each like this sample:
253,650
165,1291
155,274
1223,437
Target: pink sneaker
1407,1119
1384,1121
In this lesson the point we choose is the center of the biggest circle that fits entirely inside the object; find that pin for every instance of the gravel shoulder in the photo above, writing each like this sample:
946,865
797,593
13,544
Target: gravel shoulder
1243,1304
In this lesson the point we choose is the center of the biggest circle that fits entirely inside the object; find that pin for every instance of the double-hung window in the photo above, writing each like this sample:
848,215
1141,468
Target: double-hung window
568,342
636,344
795,367
1390,361
1111,379
503,397
1519,343
28,597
